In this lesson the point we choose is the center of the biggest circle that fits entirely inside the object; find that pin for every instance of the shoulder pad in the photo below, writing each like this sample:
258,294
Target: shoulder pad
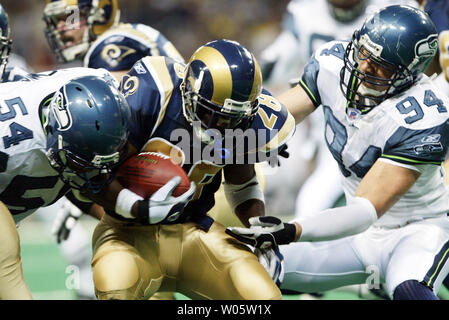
148,87
119,48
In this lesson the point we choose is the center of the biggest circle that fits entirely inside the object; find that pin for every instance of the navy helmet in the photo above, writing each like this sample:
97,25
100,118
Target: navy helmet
221,86
5,40
346,10
402,40
97,16
87,130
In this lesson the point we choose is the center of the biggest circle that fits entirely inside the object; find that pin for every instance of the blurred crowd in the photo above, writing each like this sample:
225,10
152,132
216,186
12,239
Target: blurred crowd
187,23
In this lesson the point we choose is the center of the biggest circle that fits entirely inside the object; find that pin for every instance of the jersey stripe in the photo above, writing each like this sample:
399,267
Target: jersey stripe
438,264
409,161
161,75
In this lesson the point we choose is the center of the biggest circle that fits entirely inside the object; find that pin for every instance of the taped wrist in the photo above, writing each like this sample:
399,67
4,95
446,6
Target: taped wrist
125,200
237,194
340,222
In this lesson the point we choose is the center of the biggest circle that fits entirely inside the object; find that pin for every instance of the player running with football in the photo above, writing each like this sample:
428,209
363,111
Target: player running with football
156,246
387,126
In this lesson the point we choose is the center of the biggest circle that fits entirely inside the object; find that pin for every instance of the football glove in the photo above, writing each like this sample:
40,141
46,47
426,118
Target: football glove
163,207
273,261
264,232
274,161
66,219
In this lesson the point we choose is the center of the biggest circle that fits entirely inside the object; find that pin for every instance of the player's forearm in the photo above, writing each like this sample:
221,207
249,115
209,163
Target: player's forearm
336,223
248,209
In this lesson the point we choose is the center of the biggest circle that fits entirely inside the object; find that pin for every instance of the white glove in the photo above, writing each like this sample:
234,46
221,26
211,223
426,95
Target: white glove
273,261
163,207
66,219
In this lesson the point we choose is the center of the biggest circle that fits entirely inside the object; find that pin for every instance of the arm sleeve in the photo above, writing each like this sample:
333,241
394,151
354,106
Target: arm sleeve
338,222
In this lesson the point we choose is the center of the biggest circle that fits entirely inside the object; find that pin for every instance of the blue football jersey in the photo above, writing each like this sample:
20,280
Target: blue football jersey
152,90
119,48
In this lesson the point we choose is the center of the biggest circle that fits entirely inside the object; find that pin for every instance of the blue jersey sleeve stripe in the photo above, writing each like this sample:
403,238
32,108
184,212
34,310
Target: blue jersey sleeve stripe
420,146
309,81
309,93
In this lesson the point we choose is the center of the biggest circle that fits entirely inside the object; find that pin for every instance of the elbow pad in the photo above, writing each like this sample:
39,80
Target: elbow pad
237,194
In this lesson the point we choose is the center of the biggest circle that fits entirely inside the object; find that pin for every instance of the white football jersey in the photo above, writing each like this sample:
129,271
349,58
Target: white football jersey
307,25
410,129
27,181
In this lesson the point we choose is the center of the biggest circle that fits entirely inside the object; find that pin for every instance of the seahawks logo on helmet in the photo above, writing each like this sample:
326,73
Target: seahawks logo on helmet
61,113
427,47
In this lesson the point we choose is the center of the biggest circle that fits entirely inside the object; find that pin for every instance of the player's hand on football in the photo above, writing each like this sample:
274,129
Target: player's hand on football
273,261
163,207
264,232
66,219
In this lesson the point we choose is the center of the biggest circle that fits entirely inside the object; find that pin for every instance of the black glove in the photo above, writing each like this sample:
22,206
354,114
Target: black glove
274,161
264,232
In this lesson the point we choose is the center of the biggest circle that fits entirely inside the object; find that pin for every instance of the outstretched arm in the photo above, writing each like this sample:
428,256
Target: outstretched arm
379,190
297,102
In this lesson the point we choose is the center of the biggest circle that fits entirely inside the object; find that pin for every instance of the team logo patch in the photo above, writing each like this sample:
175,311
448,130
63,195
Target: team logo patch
60,111
427,47
431,144
140,69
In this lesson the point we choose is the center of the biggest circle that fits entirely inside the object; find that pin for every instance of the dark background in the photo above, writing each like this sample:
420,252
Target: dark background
187,23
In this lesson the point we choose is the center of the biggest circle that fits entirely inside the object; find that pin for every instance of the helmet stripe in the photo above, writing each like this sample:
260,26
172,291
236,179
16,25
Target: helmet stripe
222,79
257,83
240,76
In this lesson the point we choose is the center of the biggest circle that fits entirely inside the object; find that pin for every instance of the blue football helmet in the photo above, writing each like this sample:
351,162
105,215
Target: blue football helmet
346,10
97,16
220,88
87,130
5,40
400,39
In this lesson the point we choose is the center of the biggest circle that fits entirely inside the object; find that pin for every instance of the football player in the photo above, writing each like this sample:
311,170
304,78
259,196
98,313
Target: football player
101,41
14,68
283,60
46,121
90,31
145,245
387,126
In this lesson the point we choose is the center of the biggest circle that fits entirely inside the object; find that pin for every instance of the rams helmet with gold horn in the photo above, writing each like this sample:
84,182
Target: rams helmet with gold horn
221,86
97,15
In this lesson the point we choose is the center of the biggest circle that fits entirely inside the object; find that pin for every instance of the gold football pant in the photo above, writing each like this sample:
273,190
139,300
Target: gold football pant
134,262
12,282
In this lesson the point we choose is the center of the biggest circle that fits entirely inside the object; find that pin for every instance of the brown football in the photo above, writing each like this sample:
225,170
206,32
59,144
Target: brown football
146,172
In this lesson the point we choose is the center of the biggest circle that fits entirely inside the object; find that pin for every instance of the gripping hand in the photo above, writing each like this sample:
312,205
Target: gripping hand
264,232
163,207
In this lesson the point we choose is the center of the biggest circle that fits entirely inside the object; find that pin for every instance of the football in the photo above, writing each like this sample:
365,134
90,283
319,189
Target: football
146,172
